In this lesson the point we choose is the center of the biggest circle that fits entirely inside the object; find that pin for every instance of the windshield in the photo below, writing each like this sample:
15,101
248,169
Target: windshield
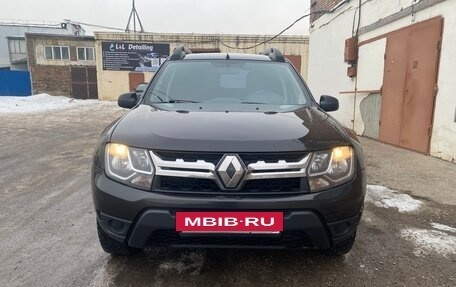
227,81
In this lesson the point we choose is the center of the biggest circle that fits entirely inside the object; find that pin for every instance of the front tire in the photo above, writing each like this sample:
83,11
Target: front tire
112,246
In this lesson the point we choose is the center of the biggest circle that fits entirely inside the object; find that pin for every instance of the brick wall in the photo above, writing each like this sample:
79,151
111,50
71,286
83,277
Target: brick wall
54,76
53,80
320,5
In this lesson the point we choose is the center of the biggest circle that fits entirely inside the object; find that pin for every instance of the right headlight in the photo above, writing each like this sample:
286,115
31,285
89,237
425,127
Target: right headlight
330,168
129,165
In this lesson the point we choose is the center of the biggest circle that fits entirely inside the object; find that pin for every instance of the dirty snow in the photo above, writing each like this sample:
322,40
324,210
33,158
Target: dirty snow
443,227
427,240
386,198
39,103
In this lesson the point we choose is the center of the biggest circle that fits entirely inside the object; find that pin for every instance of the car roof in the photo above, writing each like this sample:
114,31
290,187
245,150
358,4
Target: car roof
223,56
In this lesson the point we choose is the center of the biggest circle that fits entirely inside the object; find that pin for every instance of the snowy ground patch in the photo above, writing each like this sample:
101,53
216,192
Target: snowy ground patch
39,103
443,227
427,240
384,197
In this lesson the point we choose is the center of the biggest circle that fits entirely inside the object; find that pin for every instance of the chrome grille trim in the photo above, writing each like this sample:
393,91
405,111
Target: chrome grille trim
263,170
206,170
180,168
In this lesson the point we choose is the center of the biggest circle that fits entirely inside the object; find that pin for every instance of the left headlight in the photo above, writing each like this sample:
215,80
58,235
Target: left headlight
330,168
129,165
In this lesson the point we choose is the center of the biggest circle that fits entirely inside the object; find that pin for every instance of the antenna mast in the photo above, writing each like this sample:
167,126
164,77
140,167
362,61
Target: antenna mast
133,16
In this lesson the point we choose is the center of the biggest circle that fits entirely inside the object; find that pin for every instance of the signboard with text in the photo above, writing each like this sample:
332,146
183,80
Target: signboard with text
138,57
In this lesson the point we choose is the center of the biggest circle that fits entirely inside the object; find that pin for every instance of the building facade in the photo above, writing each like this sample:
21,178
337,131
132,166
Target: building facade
126,59
13,51
391,65
62,65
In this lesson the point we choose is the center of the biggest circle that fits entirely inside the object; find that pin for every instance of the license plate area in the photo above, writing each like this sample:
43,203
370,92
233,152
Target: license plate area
231,223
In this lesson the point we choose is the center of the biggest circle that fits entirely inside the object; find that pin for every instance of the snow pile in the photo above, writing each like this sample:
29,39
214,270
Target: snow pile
39,103
384,197
427,240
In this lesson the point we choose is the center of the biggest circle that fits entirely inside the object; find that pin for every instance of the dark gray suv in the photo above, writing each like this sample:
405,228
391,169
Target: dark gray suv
227,150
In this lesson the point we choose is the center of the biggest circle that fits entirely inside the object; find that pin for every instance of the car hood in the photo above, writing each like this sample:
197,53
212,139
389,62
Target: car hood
305,129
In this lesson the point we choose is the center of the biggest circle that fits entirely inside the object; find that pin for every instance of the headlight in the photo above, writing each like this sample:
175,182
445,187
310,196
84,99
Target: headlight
330,168
128,165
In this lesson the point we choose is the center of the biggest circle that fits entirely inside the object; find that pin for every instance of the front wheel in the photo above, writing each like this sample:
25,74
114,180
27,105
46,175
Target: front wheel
112,246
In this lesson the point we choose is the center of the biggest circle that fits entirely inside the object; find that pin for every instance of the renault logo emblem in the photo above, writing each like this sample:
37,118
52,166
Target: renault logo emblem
231,171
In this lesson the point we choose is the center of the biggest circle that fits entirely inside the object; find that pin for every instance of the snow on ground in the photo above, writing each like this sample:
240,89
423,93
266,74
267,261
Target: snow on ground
443,227
384,197
440,239
39,103
428,240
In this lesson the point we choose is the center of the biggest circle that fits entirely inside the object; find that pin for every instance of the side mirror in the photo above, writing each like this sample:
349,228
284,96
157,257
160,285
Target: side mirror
329,104
140,89
128,100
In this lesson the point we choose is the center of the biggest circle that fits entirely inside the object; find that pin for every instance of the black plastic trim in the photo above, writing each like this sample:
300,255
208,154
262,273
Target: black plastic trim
179,53
274,54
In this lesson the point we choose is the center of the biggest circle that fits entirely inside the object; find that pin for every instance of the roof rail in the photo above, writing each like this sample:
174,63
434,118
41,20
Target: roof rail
274,54
179,53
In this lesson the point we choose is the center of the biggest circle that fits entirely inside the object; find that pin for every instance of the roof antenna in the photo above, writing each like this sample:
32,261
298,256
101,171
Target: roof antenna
133,16
227,56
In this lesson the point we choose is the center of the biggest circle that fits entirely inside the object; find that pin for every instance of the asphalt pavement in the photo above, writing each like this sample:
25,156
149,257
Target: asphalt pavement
407,236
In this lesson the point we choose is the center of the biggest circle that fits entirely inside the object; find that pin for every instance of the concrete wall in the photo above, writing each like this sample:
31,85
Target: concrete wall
328,71
113,83
53,76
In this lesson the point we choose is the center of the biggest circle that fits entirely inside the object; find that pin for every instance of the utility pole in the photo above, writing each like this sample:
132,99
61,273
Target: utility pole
133,16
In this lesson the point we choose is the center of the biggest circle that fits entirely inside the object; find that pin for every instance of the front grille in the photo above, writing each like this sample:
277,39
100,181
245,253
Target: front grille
182,184
249,158
168,183
214,158
291,239
267,173
273,185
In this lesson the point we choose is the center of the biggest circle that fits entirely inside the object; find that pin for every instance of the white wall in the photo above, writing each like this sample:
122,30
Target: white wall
327,70
370,75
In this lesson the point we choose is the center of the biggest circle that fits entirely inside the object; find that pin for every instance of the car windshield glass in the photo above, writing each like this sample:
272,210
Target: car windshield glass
227,81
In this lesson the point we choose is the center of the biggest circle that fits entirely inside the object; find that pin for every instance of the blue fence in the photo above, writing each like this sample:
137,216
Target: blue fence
15,83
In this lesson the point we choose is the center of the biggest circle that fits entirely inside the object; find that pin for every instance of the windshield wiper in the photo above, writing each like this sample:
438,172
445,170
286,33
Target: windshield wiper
172,101
254,103
154,92
169,100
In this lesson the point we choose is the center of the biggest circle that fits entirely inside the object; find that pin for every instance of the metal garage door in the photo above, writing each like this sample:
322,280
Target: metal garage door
84,83
410,85
134,79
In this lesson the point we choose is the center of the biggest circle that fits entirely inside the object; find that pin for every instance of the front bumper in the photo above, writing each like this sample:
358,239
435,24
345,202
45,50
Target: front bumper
144,218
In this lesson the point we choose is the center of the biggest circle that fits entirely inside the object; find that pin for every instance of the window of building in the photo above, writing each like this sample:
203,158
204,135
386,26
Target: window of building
17,49
57,52
86,54
17,46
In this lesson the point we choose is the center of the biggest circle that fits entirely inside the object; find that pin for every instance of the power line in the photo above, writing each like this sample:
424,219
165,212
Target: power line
220,41
277,35
98,26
